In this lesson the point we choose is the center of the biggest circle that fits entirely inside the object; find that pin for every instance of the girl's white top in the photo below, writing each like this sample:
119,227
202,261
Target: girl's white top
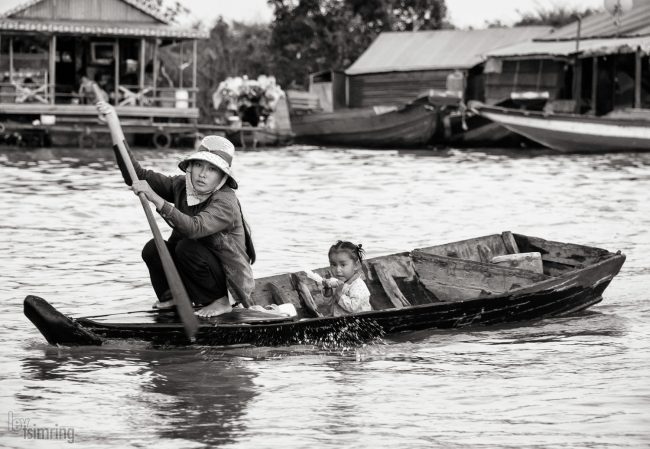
354,298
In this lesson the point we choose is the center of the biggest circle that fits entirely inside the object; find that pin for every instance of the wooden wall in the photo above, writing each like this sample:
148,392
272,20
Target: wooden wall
527,75
393,88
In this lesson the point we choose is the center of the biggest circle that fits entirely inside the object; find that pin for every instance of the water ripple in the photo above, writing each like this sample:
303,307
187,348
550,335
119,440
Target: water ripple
74,233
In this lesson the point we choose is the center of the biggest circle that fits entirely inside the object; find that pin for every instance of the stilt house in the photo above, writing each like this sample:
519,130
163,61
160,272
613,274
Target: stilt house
598,65
51,50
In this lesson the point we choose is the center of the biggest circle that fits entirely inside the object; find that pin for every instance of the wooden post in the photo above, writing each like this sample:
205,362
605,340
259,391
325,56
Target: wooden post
143,44
594,84
540,69
116,58
516,80
52,84
577,71
11,59
390,286
180,67
194,69
577,83
613,77
637,78
155,70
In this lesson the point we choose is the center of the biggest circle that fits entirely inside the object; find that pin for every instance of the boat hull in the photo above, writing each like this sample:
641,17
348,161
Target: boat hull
573,133
410,126
561,295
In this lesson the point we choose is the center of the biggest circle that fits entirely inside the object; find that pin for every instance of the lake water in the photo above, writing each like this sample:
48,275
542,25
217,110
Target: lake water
73,233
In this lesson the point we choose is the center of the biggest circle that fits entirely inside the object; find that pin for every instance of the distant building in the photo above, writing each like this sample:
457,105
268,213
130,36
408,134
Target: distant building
399,66
596,66
52,50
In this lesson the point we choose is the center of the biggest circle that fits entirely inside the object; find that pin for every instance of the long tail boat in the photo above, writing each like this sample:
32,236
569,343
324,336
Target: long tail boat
572,133
484,281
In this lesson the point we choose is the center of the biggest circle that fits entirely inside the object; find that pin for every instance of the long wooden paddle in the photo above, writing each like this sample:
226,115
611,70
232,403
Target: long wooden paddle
181,300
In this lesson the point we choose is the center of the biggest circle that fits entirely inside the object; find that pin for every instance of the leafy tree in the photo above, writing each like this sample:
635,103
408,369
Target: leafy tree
311,35
169,10
556,16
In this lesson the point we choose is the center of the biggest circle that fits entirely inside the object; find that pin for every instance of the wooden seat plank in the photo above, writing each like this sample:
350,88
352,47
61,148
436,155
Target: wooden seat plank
390,286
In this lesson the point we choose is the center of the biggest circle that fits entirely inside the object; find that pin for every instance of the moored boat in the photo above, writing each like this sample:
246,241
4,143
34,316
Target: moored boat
485,281
410,125
572,132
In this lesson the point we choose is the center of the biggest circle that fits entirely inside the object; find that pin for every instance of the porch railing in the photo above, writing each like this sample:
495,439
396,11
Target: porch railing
19,91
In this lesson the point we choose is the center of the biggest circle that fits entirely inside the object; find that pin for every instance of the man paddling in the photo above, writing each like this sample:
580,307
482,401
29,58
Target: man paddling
210,243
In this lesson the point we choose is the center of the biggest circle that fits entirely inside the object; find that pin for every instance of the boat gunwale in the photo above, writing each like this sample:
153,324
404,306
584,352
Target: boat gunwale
529,290
595,120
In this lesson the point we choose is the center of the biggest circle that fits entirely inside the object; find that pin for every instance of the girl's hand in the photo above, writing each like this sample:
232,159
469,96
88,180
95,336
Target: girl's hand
332,282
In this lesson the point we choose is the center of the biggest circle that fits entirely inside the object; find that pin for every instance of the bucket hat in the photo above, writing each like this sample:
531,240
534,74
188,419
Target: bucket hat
216,150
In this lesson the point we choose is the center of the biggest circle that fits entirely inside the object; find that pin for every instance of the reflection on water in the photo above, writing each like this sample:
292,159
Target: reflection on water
74,232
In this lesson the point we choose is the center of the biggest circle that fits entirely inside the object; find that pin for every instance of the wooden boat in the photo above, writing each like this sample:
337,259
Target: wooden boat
455,285
411,125
572,132
466,128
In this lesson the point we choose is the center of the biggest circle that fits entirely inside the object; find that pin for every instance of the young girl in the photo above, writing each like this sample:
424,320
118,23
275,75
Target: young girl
210,242
349,292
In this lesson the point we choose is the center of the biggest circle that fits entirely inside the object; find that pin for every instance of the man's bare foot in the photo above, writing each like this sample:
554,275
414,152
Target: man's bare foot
161,305
218,307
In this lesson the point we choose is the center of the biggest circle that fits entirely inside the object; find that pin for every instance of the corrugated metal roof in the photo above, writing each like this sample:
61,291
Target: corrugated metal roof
635,22
101,29
139,4
436,50
587,47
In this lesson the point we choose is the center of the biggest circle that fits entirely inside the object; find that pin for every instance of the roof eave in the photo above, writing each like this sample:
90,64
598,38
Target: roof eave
81,28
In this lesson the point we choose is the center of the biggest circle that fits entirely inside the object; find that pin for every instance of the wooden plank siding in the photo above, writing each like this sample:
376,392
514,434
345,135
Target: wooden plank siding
537,75
393,88
86,10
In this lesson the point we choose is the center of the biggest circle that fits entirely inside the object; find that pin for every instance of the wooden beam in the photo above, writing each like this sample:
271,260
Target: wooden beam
11,58
81,109
155,68
637,78
143,48
390,286
52,81
562,260
180,66
194,71
577,84
516,80
454,293
510,242
116,58
277,295
594,84
470,274
305,295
